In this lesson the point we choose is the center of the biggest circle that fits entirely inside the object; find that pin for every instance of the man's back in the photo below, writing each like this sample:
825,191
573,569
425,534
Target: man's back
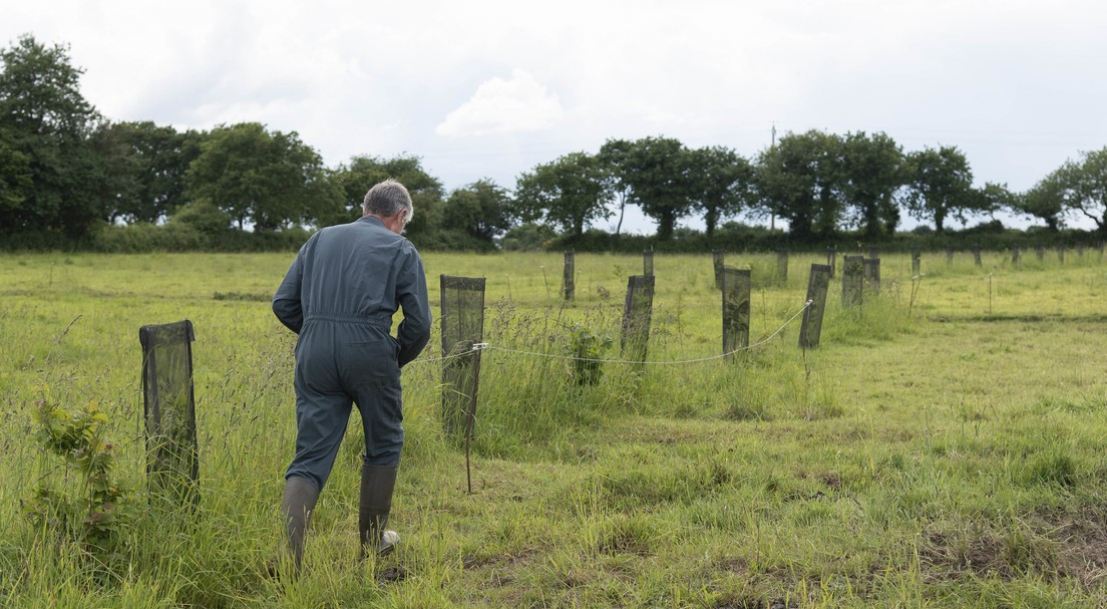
351,270
358,273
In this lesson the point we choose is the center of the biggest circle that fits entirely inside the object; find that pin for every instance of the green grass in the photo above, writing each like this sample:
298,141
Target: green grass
940,452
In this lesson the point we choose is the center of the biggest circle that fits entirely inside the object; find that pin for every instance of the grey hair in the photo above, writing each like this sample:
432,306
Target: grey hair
386,199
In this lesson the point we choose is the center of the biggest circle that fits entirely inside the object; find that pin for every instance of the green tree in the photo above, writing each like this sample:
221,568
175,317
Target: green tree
612,158
800,179
482,209
994,197
656,171
1085,184
15,177
873,171
570,192
363,172
47,123
940,185
146,165
1045,201
720,183
122,170
270,179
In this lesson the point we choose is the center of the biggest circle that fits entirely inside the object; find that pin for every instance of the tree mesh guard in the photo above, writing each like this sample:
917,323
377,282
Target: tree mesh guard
871,271
852,280
637,314
817,287
568,280
781,267
647,263
831,259
462,326
737,285
718,258
169,410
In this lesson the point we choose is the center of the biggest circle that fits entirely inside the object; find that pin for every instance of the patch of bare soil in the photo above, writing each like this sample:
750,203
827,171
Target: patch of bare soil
1083,543
758,603
1053,544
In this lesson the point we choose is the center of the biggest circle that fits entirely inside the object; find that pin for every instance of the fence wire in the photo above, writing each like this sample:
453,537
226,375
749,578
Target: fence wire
620,361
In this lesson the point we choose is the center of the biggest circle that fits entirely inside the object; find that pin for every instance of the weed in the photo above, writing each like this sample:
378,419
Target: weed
588,350
94,510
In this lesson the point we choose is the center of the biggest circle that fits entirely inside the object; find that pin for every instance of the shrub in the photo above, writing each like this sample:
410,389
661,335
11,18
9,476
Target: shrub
203,216
529,237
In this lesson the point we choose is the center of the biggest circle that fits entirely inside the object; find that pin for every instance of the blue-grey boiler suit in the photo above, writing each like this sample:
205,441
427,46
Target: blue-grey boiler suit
339,295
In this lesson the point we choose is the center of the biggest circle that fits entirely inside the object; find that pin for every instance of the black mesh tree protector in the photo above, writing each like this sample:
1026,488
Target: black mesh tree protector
874,252
852,280
916,262
647,263
718,257
781,266
169,409
736,310
817,287
637,314
1061,253
949,255
1015,255
1079,250
832,259
568,281
976,255
871,271
1039,251
462,326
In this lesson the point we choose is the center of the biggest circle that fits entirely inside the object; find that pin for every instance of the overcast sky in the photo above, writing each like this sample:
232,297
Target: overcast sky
489,89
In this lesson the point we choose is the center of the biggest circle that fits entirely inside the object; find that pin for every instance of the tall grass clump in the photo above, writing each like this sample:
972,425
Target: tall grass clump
544,381
880,317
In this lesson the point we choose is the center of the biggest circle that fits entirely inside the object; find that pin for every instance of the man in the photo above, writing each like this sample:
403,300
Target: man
339,296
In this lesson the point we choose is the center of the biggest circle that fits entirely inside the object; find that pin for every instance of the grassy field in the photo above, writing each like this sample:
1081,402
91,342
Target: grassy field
943,447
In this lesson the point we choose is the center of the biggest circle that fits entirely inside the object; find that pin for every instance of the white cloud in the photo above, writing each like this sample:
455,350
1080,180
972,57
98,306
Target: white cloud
504,106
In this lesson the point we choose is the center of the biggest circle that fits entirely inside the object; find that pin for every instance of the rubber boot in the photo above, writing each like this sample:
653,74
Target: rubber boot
377,484
300,497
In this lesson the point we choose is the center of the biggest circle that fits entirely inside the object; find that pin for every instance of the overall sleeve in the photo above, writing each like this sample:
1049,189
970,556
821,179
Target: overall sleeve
286,302
411,291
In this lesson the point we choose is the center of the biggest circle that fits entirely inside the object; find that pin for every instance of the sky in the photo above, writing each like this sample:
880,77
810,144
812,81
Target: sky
489,89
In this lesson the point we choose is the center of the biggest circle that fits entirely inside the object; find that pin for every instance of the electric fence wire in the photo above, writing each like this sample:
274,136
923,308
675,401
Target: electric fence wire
618,361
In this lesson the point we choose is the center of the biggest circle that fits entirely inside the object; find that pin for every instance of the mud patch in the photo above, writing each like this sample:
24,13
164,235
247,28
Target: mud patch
757,603
1083,541
1053,544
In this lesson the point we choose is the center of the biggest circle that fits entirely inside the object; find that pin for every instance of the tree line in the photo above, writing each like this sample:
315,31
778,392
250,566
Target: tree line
66,171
